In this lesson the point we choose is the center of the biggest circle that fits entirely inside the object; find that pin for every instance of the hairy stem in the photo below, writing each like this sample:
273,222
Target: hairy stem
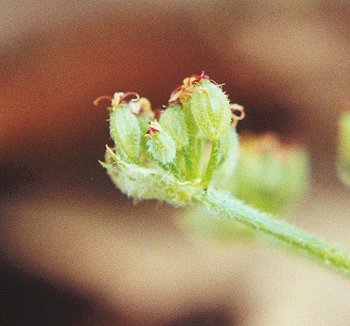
172,168
200,155
192,156
188,162
330,256
213,162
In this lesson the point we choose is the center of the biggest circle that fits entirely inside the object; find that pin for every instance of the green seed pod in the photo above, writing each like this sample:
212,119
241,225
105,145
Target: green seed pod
210,108
125,131
344,149
172,121
161,147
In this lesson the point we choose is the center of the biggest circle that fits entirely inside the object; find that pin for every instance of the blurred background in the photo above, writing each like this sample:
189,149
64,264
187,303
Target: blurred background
73,249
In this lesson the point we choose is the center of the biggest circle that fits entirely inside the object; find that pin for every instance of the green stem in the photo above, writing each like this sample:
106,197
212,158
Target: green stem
172,168
200,156
192,151
330,256
188,162
213,162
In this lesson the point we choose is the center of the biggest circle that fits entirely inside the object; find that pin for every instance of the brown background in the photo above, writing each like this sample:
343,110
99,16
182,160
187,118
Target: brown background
74,250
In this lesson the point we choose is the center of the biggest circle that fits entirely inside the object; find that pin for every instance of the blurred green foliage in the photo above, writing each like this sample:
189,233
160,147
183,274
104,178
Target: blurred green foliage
270,176
343,161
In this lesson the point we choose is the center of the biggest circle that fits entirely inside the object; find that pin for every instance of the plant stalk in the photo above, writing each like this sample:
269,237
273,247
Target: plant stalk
188,162
213,162
328,255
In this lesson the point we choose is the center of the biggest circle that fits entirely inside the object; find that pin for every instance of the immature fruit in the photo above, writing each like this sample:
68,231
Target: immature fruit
160,145
172,121
210,108
125,131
